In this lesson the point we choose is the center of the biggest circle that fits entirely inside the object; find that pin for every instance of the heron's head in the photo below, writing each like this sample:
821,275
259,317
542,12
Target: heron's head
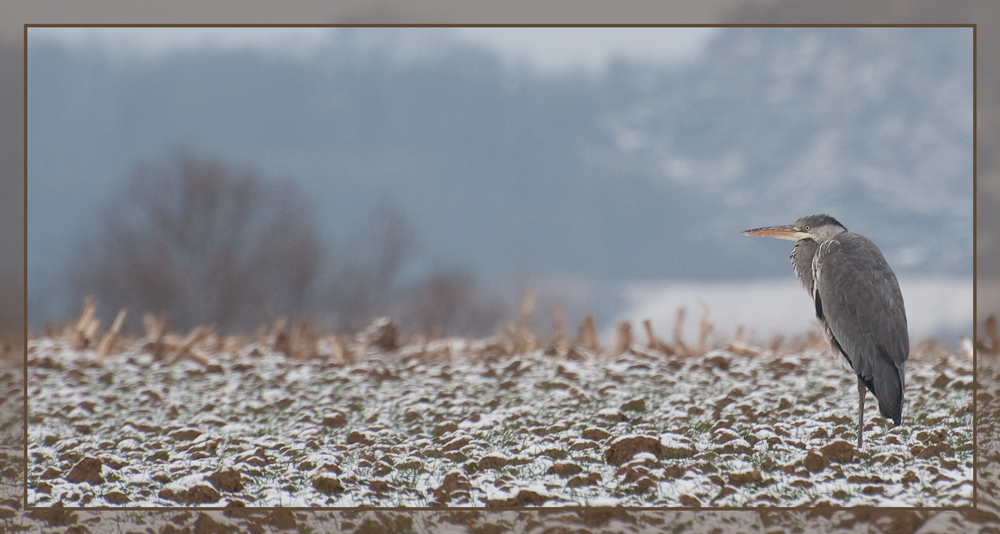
819,228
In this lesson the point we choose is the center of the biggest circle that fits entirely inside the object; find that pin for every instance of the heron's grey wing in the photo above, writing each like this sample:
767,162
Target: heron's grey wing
859,298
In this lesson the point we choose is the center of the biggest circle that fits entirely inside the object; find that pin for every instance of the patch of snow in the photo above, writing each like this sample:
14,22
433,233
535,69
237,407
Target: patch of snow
186,482
676,441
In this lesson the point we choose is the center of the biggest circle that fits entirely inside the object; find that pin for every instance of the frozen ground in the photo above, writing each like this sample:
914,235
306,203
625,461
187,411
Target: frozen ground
464,423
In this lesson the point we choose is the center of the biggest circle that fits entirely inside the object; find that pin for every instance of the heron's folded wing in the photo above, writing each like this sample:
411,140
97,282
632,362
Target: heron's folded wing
863,308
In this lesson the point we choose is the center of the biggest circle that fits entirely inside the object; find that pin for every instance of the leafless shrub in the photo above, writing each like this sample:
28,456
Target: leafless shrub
196,243
201,243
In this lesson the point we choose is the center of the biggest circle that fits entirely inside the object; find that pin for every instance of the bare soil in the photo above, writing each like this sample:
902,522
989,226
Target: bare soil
478,423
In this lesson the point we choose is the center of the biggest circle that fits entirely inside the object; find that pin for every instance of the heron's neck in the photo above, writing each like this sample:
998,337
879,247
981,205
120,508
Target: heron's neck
802,256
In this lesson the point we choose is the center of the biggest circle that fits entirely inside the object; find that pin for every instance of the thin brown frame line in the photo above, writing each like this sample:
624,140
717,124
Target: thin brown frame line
975,277
512,25
973,506
975,375
500,25
24,185
552,509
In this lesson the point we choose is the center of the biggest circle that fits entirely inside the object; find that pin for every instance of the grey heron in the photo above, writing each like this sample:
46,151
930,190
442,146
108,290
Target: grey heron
858,303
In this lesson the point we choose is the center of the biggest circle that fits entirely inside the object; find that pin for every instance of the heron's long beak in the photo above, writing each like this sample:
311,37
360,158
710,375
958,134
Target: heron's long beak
787,231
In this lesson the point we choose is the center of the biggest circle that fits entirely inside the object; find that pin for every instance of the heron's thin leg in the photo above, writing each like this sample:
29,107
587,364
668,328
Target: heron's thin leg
861,409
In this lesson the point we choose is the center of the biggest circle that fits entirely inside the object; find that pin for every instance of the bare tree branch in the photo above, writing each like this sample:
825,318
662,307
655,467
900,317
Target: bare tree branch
202,244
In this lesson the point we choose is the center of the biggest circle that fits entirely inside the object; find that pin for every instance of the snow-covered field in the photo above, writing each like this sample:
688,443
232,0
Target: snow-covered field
472,423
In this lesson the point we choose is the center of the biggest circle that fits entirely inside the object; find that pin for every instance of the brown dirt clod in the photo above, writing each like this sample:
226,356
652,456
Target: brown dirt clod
199,494
719,361
689,501
579,480
492,461
838,451
186,434
815,462
229,480
86,470
634,405
358,437
116,497
335,420
564,469
523,498
742,479
456,443
623,449
327,483
51,473
725,492
453,482
595,434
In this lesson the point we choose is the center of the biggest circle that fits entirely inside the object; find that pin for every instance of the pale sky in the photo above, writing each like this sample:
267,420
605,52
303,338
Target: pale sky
546,49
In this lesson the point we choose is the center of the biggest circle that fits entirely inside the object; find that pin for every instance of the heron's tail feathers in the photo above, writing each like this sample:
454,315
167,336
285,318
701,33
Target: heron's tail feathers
886,380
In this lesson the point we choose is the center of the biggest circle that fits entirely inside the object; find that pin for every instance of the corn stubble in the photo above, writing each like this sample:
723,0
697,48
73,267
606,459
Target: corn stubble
294,416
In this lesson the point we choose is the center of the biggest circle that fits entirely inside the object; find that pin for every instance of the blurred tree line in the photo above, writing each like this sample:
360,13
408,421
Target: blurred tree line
201,243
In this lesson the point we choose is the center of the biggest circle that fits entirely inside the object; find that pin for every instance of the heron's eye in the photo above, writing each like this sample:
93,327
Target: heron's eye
806,227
